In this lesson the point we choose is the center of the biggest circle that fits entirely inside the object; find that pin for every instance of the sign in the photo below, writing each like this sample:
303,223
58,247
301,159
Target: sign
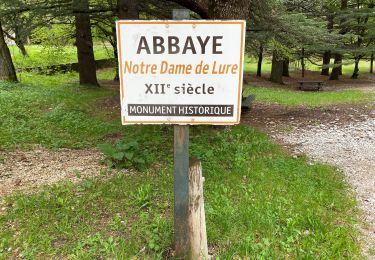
181,72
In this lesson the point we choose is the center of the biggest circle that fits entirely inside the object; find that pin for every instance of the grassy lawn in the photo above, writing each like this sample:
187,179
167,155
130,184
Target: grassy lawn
41,56
52,111
250,66
309,99
261,203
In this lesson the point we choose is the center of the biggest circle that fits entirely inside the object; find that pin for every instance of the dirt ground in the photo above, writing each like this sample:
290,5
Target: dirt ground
28,170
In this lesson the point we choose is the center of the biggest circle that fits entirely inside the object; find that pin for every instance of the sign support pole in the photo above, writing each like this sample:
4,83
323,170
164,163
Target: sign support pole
181,176
181,190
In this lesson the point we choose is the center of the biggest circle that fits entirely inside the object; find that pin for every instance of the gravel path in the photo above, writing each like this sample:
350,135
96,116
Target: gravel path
343,136
27,170
351,148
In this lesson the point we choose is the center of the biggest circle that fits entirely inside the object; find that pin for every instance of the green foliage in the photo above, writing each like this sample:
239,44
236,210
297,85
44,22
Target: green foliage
40,56
58,35
143,196
308,99
123,155
93,245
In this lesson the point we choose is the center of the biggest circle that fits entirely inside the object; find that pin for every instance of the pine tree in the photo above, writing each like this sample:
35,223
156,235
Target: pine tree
7,71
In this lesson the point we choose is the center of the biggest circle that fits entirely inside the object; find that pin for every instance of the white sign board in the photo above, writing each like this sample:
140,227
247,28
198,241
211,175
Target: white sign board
181,72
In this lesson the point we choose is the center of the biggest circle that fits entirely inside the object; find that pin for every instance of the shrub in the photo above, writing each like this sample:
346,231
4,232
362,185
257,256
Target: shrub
123,155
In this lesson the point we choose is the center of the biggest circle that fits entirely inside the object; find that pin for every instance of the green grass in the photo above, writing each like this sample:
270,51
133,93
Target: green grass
309,99
348,67
250,66
53,112
42,56
260,202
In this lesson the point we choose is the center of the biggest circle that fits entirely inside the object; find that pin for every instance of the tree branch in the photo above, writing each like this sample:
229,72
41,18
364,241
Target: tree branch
195,7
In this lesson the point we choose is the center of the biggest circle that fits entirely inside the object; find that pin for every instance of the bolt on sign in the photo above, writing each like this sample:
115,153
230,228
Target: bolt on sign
181,72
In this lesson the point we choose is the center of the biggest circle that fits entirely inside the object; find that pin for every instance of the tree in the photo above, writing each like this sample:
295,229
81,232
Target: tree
84,43
18,30
286,67
127,10
7,71
213,9
337,68
260,61
277,68
362,23
327,53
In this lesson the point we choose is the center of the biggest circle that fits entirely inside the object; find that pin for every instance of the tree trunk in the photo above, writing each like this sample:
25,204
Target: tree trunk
85,50
372,63
20,41
115,54
326,62
277,69
214,9
127,10
196,216
336,68
356,68
327,54
286,67
22,48
260,61
229,9
303,62
7,71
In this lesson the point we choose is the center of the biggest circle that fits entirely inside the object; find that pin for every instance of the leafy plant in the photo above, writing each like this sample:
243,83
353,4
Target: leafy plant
123,155
143,196
95,245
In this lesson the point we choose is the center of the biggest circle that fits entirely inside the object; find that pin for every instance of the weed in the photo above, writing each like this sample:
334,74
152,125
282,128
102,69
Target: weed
153,237
123,155
118,223
94,246
143,196
77,173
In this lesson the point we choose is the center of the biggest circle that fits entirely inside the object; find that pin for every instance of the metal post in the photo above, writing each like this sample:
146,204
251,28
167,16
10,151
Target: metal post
181,176
181,190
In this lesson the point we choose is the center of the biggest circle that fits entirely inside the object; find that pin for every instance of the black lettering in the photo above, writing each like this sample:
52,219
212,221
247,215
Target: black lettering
158,42
143,45
203,43
189,45
148,86
173,44
216,44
